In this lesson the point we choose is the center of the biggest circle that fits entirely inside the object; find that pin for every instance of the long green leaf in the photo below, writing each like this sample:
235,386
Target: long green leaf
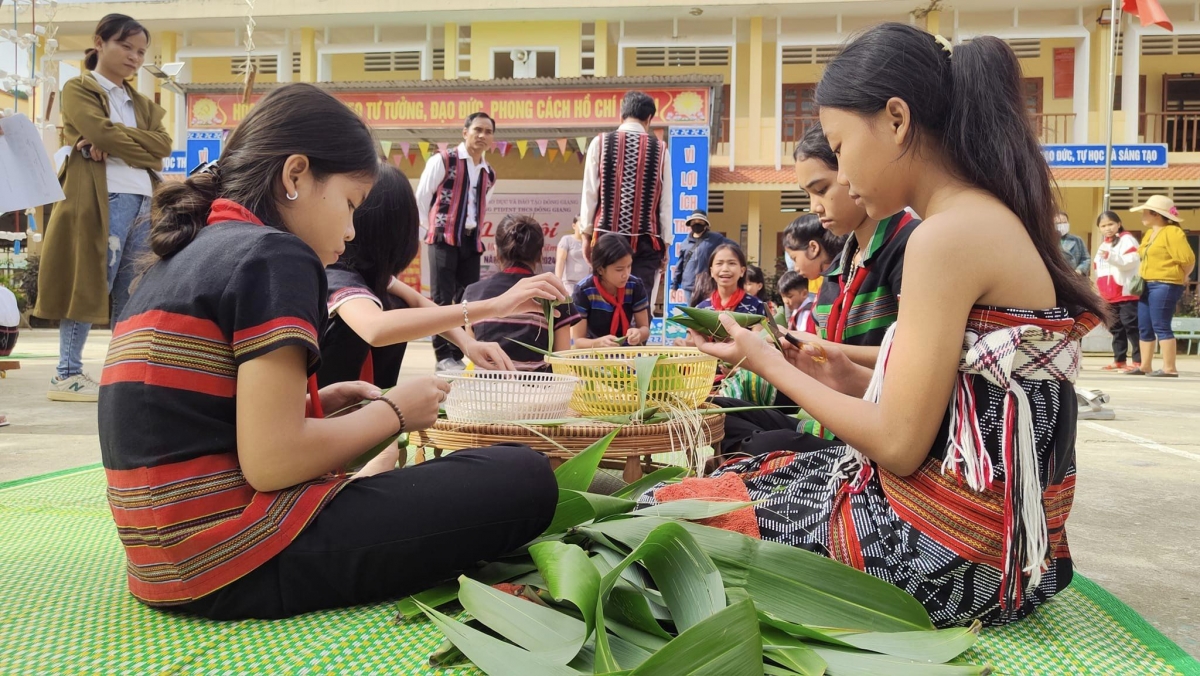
803,631
540,350
575,507
843,662
409,607
555,637
578,472
935,647
493,656
652,479
690,509
725,644
791,583
791,652
629,606
644,368
570,576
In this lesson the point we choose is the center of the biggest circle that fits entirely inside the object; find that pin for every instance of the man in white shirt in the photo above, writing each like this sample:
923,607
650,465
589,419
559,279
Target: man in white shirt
452,200
618,162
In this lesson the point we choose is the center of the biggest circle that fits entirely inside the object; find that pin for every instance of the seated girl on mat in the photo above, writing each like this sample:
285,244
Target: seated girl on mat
965,511
612,301
209,378
519,242
372,314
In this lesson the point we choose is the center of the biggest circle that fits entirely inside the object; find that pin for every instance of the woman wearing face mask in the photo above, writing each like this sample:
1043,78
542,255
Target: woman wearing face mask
954,472
1073,247
1117,261
92,244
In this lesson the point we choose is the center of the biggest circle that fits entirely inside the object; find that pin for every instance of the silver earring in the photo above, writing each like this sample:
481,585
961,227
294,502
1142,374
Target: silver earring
292,196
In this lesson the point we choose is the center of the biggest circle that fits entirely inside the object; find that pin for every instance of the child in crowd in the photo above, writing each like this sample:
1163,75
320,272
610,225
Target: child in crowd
569,263
797,303
209,385
372,315
613,302
811,248
725,286
756,284
1117,262
519,241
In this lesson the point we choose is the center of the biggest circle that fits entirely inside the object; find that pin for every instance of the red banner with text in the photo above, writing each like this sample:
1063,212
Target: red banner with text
417,110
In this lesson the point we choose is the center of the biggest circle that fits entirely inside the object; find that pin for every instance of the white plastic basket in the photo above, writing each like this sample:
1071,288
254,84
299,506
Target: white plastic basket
506,396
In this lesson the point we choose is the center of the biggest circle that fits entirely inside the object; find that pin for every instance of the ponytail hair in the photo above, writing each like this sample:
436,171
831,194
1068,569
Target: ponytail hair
808,228
968,105
385,231
519,241
112,27
295,119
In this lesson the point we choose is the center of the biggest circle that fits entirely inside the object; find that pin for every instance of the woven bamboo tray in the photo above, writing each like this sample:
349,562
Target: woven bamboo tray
630,450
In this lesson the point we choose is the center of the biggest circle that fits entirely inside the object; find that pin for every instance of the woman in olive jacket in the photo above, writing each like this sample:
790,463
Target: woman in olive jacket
99,231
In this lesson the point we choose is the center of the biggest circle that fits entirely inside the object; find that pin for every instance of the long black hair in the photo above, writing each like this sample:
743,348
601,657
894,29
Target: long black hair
295,119
808,228
385,231
112,27
519,241
814,146
755,274
1112,216
610,249
971,107
705,285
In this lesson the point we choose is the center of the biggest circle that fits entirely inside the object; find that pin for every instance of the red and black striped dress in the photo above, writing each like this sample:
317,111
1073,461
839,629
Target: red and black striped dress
189,521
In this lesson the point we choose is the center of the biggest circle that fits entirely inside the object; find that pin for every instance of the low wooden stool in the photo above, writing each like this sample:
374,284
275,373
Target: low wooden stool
9,365
630,450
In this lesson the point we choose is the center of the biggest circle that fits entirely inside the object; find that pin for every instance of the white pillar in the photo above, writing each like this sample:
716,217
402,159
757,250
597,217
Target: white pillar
1130,79
1083,76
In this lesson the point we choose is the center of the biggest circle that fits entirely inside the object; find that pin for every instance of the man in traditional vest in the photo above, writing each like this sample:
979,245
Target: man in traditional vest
452,199
627,188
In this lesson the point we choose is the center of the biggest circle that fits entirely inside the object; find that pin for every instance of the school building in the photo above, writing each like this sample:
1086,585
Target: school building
551,72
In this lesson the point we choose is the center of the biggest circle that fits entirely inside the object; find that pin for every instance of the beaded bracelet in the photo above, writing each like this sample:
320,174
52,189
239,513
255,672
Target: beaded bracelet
395,408
466,317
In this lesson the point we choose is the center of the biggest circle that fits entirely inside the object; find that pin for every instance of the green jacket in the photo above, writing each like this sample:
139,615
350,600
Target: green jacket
73,278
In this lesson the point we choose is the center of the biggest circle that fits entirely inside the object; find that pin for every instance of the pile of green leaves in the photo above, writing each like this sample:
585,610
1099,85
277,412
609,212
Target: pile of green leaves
707,322
610,590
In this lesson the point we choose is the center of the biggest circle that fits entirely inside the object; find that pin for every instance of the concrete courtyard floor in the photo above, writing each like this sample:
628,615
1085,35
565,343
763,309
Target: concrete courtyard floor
1134,529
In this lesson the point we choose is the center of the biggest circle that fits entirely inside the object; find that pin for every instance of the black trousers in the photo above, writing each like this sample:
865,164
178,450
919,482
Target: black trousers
453,269
757,433
647,260
396,533
1124,330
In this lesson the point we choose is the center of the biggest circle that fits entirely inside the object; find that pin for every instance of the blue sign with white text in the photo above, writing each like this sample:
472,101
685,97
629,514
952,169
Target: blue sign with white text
689,152
175,164
203,146
1126,155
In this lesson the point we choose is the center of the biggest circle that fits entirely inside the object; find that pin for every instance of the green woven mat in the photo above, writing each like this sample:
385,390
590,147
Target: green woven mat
65,610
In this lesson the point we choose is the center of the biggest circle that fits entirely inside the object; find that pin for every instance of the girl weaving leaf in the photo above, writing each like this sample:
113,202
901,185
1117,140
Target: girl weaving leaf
963,510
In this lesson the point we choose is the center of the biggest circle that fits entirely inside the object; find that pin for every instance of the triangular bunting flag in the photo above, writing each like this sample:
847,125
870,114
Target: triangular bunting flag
397,160
522,146
582,142
387,148
552,153
412,158
541,144
424,146
502,148
562,146
443,147
404,147
567,154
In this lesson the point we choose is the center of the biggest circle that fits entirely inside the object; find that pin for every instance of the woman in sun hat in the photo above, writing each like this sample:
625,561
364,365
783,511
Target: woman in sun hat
1167,261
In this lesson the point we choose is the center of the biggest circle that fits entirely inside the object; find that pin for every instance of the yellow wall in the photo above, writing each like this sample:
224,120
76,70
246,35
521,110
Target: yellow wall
565,35
218,70
349,68
1043,67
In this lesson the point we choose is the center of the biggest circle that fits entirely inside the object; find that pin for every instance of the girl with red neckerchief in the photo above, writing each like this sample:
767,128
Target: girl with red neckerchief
725,287
614,303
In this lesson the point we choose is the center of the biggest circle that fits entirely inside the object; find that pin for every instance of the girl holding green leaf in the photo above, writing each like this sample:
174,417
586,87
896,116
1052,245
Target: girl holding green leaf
373,315
955,471
225,480
519,241
614,303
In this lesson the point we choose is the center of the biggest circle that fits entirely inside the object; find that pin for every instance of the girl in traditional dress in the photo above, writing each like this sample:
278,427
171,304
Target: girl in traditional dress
613,303
955,473
230,500
373,315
